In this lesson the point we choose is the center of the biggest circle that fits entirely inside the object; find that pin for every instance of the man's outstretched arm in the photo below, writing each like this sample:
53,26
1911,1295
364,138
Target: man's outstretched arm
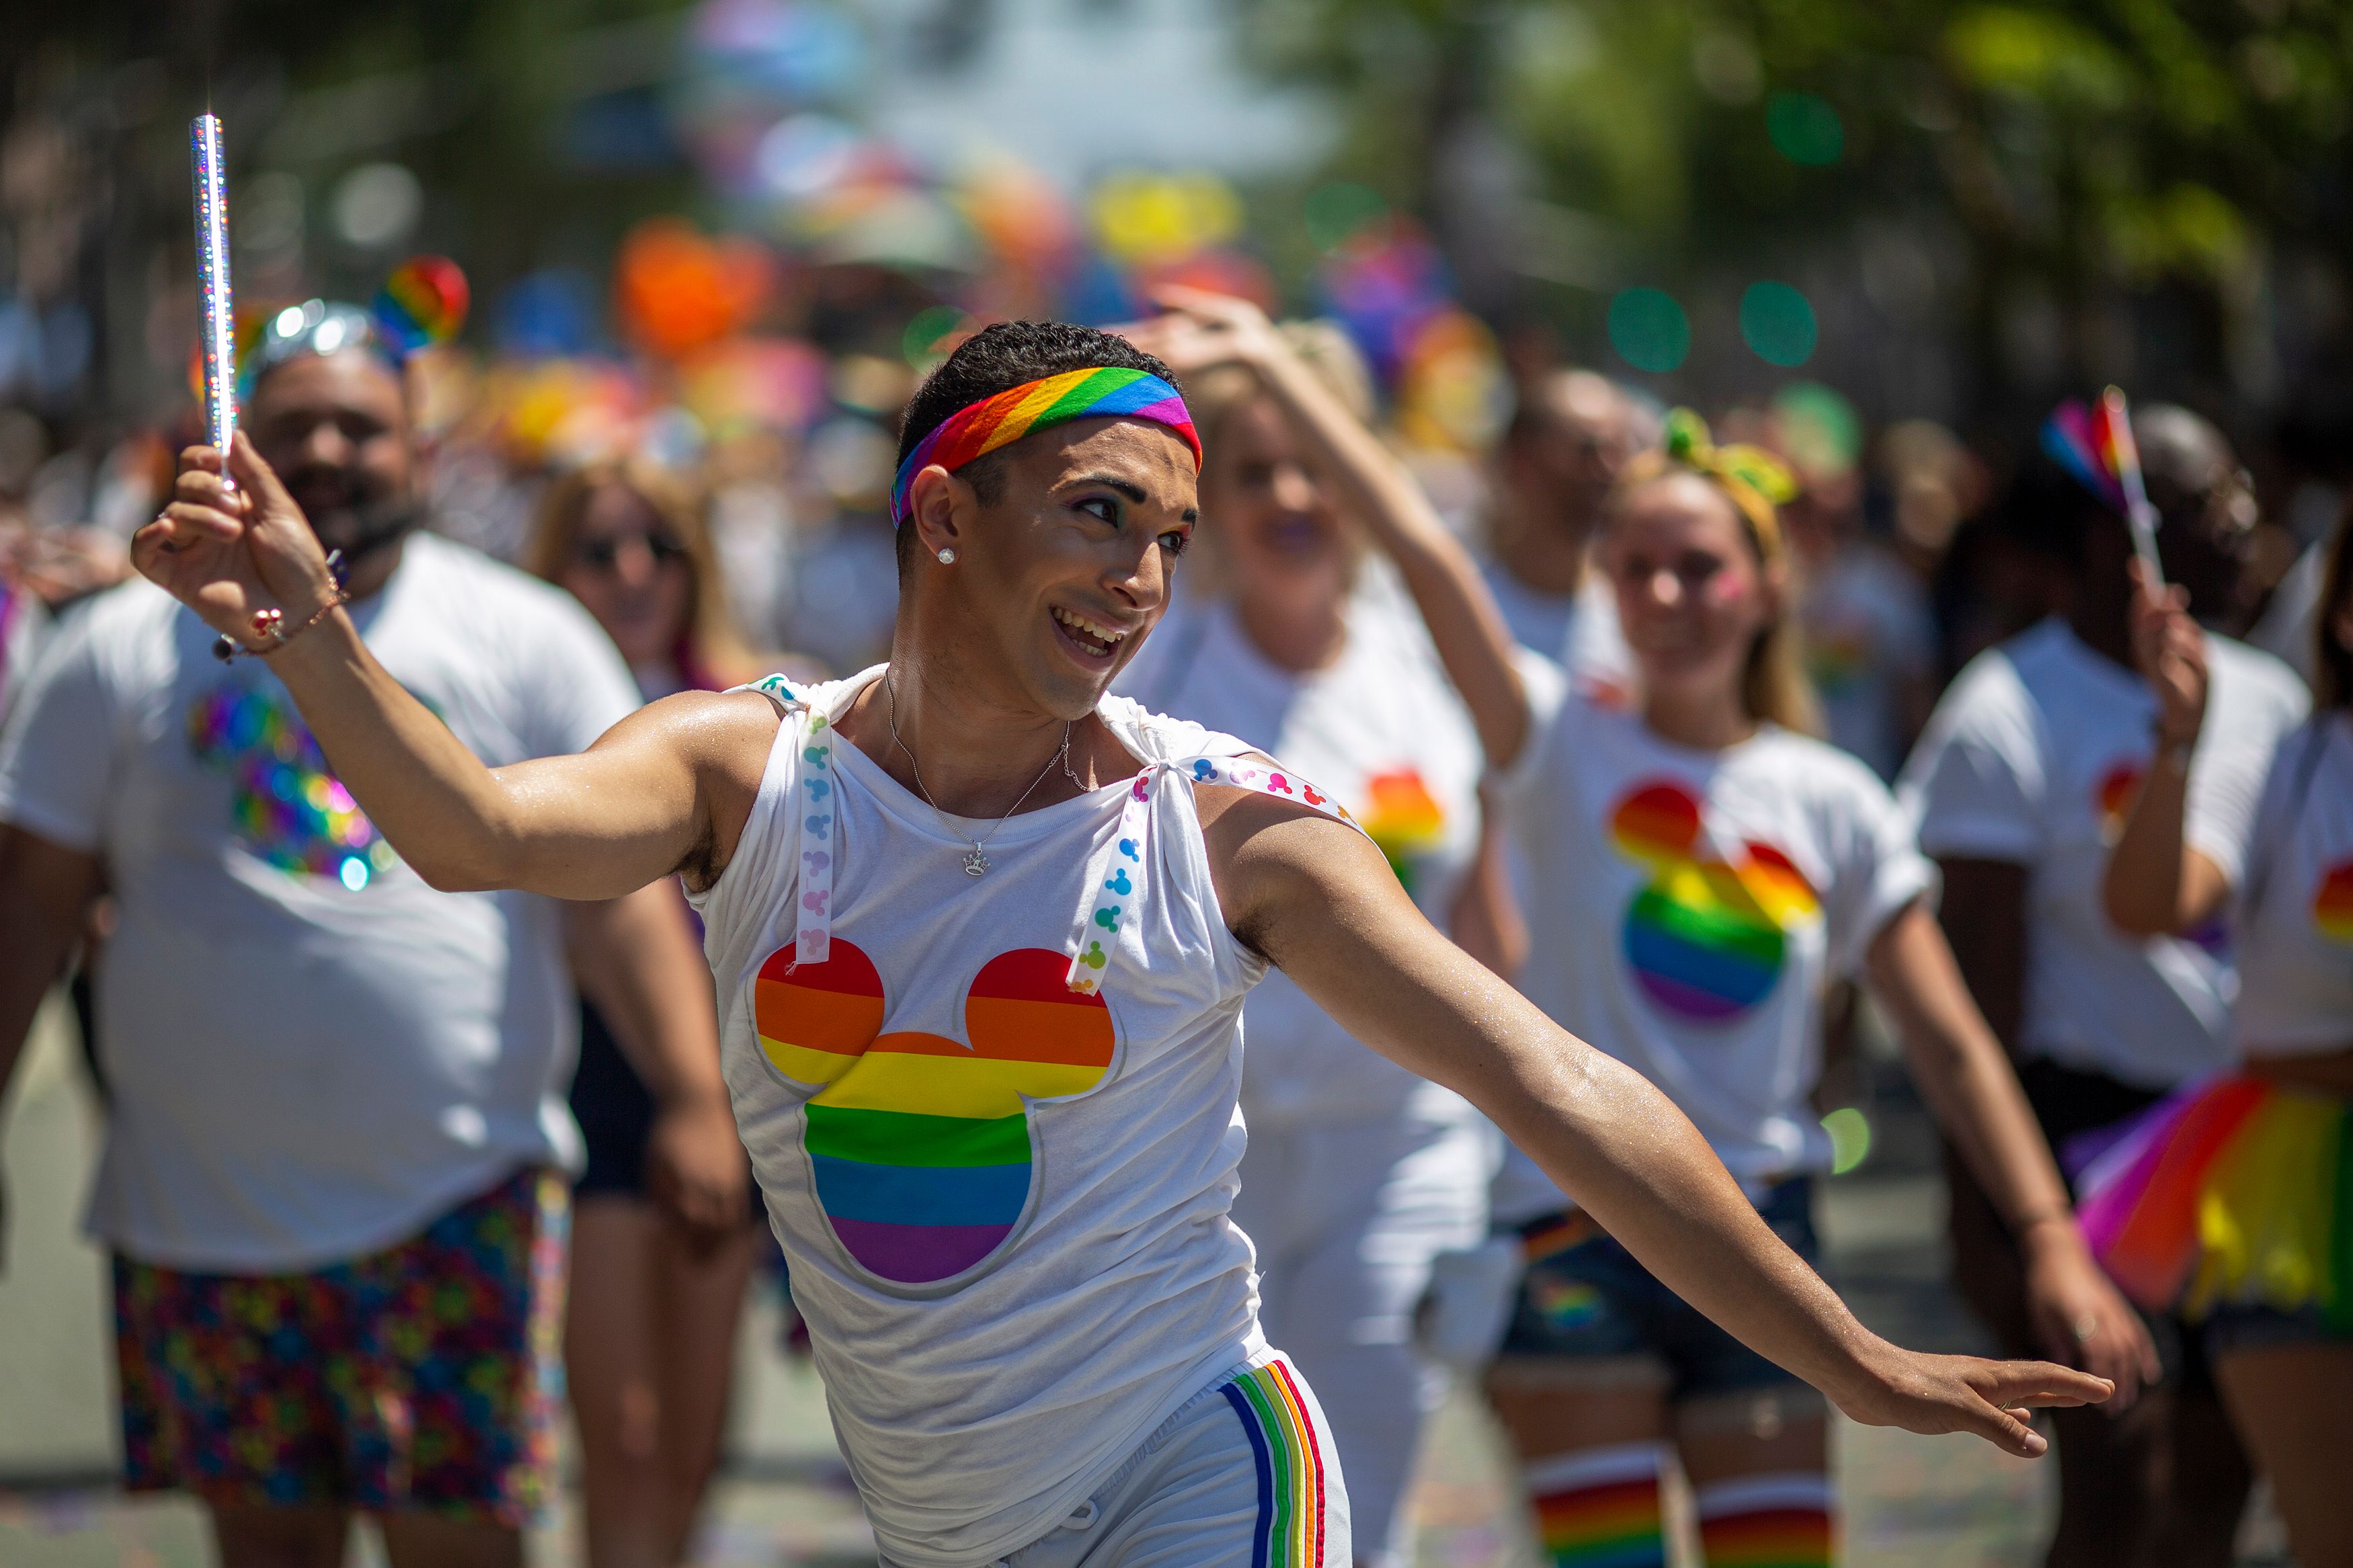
1317,899
667,788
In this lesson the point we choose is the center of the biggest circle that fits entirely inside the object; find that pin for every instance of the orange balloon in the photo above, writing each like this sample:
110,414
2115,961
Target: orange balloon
677,291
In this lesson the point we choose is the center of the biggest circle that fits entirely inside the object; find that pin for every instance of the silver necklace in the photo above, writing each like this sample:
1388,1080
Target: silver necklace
976,864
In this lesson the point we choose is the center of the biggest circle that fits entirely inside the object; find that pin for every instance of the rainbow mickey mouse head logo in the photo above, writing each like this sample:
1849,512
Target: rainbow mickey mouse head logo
1704,938
920,1146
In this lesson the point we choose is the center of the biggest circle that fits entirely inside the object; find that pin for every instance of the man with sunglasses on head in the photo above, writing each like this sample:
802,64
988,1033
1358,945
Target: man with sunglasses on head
332,1176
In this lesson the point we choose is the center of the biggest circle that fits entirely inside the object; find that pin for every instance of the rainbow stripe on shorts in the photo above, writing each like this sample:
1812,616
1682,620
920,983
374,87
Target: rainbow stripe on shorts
1273,1411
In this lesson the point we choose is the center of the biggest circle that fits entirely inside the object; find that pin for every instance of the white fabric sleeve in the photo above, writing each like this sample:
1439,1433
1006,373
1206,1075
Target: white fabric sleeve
1880,871
1974,787
56,753
1547,687
2228,769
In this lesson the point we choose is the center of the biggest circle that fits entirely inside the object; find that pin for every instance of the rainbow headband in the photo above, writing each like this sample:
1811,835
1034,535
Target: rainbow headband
971,434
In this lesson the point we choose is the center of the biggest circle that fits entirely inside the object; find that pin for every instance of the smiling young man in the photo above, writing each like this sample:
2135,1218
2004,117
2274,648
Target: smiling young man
982,936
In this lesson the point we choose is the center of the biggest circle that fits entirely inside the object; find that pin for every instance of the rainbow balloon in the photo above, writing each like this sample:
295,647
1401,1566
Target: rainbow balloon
922,1146
422,301
974,432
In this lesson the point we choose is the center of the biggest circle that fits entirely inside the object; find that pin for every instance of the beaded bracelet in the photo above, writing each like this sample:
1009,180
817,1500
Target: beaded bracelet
270,625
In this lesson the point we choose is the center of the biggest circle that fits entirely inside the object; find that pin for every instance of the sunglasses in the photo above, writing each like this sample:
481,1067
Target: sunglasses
601,554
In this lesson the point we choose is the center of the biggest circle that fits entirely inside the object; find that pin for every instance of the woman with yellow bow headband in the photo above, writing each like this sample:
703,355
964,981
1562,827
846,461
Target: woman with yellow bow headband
1703,869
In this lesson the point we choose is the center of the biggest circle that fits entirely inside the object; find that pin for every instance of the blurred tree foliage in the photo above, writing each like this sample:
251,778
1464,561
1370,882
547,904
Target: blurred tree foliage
2089,148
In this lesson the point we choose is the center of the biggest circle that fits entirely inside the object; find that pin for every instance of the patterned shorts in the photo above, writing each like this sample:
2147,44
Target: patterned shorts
424,1376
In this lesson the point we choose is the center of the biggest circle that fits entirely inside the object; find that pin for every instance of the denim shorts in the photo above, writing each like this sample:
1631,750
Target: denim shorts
1584,1296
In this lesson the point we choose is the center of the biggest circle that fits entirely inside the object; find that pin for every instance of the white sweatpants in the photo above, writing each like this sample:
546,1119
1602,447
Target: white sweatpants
1347,1218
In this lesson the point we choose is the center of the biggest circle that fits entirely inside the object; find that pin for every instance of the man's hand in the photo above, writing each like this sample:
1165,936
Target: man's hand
1938,1393
228,553
2170,650
2078,1315
695,1166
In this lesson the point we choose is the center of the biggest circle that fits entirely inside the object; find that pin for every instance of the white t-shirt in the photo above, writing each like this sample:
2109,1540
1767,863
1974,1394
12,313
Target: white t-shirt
1867,629
1383,730
1578,631
2032,757
2295,943
1013,1251
1690,908
308,1052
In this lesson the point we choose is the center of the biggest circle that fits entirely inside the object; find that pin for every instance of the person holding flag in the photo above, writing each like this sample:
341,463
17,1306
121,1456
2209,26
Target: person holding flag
2020,785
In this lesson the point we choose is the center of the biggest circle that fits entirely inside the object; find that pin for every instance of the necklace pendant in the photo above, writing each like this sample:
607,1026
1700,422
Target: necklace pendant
976,864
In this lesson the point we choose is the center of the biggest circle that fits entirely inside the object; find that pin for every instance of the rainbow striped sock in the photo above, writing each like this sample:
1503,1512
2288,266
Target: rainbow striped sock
1598,1508
1779,1521
1274,1413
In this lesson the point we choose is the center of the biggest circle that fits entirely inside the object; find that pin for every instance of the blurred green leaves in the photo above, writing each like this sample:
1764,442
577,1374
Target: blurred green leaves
2068,148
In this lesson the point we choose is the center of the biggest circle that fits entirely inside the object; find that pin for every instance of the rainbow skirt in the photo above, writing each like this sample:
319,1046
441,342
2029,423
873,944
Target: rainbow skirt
2231,1192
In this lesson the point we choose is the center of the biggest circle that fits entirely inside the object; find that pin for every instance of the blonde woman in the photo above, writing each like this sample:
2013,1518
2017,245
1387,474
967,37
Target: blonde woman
650,1338
1702,867
1359,1174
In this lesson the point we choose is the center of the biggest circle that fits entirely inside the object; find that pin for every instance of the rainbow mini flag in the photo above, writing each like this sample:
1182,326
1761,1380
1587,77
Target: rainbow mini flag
2094,443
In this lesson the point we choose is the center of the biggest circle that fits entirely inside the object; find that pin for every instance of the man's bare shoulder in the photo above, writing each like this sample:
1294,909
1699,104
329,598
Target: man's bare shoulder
733,729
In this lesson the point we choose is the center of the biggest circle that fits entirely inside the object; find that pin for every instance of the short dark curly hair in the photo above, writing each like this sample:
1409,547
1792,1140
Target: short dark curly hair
999,358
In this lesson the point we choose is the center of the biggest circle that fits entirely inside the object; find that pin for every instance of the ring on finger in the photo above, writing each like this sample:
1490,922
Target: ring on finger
2084,1327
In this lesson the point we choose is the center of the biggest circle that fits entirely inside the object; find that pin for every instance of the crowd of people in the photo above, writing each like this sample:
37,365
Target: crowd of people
382,865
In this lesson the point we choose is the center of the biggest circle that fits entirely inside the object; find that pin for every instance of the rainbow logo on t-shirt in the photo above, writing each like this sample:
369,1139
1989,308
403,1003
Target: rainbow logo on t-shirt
920,1146
1402,817
1704,938
288,809
2332,903
2114,799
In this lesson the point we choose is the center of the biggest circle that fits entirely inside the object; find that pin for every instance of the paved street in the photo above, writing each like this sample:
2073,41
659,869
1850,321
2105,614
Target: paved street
1919,1503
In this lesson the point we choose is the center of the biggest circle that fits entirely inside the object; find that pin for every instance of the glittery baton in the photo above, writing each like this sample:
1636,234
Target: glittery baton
211,180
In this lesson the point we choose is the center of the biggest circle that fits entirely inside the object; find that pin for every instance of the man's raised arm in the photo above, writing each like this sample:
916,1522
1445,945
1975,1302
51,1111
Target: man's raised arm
667,788
1317,899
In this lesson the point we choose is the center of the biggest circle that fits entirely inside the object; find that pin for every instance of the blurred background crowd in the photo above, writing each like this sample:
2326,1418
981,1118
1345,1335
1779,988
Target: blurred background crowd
715,245
729,236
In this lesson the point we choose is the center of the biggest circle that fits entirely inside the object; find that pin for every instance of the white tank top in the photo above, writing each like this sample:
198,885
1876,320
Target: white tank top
998,1153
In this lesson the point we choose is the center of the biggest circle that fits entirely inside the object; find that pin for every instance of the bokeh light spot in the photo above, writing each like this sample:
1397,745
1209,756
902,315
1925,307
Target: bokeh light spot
1849,1131
354,873
922,339
1804,128
1778,323
1649,329
1337,212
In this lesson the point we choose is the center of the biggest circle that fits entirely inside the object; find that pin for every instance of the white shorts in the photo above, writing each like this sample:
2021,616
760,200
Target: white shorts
1243,1476
1347,1219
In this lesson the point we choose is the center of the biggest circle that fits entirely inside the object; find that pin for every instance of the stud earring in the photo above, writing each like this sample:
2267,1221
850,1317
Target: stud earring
947,556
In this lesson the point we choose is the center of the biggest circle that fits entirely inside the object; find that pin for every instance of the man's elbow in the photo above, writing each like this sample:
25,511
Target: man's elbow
464,869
